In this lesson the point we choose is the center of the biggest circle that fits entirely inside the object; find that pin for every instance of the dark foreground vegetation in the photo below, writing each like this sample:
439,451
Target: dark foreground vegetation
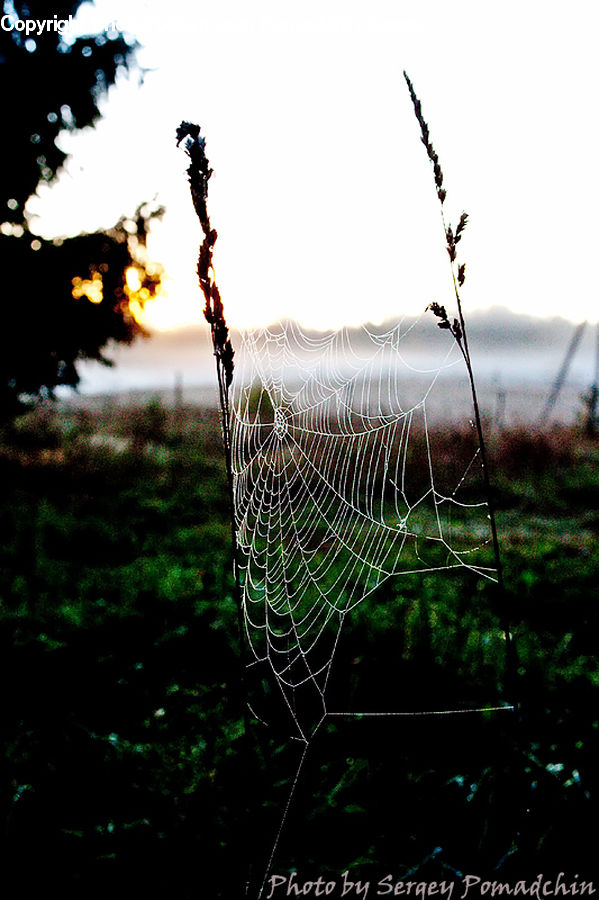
126,772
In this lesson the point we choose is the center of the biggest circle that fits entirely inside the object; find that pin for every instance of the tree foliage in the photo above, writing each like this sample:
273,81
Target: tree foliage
62,300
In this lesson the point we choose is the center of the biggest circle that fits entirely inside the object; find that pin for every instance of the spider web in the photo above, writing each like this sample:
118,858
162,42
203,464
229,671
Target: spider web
336,490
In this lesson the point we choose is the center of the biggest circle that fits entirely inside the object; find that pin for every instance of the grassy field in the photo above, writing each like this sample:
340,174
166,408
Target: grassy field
126,770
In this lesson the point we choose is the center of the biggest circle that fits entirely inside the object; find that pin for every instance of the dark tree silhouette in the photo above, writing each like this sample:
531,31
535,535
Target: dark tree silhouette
61,301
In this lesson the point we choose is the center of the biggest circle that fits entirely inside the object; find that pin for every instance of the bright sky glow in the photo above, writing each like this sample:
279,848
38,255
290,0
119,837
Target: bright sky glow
322,193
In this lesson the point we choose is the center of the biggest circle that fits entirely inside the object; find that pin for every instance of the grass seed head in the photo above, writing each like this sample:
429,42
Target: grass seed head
437,310
461,225
426,140
199,173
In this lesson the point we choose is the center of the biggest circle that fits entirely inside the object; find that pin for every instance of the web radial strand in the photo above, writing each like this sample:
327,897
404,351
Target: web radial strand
337,486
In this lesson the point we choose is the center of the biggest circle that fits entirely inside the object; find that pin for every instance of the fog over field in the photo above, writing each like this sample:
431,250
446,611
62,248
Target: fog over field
516,359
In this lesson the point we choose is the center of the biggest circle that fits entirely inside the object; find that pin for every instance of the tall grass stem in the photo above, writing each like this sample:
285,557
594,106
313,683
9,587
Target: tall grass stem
459,332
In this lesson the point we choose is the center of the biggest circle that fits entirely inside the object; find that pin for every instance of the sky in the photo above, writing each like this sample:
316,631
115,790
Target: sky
322,193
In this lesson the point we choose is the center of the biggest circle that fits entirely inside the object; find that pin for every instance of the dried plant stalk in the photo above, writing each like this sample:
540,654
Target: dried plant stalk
457,327
199,173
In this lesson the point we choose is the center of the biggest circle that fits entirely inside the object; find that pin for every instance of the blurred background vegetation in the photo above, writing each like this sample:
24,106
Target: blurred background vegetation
125,766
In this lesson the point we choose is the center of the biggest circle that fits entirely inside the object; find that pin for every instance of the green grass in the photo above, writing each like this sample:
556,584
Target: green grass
124,765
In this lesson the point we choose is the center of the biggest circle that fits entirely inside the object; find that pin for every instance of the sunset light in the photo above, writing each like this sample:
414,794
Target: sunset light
147,295
132,276
329,199
90,288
